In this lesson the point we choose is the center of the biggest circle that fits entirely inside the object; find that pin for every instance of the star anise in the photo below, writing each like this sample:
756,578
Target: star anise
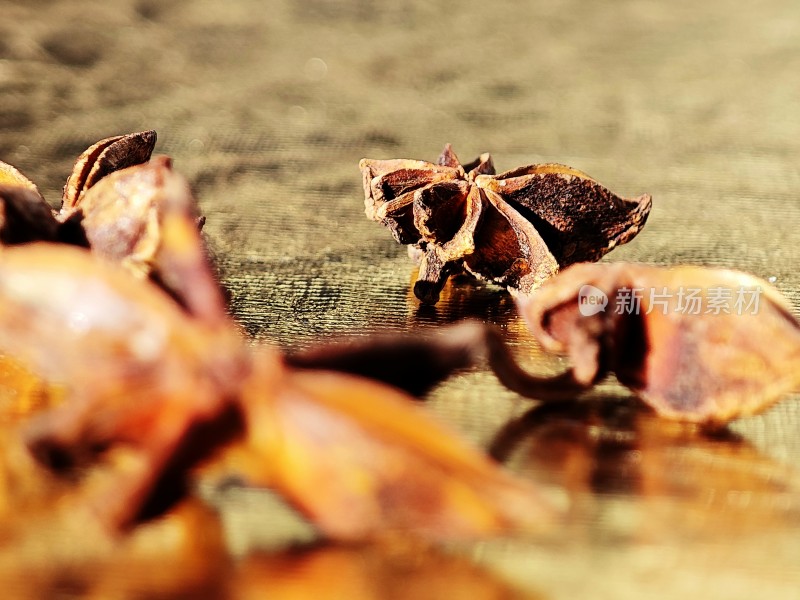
103,158
515,229
25,216
151,391
128,209
695,344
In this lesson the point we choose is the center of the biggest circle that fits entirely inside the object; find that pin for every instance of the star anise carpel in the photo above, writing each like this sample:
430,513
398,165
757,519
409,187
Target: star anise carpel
515,229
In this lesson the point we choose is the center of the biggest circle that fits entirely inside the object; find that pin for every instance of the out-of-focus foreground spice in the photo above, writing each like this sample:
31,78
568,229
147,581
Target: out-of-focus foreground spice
153,385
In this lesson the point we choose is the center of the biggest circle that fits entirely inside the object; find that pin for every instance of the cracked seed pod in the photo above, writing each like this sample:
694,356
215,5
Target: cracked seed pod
145,218
516,229
103,158
694,343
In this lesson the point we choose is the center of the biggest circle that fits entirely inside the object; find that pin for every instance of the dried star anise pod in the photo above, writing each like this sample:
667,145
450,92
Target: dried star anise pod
103,158
128,209
145,218
360,460
152,392
695,344
137,370
515,229
27,217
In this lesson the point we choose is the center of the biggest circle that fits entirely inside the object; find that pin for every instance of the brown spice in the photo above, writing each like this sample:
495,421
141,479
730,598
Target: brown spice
139,372
103,158
708,365
25,216
145,218
516,229
139,214
362,461
153,391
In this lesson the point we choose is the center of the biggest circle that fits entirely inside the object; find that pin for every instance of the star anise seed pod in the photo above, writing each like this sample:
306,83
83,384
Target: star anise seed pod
516,229
103,158
151,392
128,209
145,218
694,343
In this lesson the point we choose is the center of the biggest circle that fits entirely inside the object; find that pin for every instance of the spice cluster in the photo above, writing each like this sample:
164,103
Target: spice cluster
132,382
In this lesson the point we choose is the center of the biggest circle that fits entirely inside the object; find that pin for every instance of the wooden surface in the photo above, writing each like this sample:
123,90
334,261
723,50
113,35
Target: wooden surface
267,108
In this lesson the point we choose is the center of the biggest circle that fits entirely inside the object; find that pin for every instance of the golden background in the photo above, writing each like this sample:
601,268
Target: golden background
267,107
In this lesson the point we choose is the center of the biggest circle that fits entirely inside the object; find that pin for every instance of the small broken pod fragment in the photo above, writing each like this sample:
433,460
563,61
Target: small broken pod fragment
696,344
516,229
24,215
10,175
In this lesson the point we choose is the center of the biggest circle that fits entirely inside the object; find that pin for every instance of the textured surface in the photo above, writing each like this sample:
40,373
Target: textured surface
267,108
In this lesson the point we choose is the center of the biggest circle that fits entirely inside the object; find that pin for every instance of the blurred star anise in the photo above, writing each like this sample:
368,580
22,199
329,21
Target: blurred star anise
515,229
153,396
128,209
695,344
